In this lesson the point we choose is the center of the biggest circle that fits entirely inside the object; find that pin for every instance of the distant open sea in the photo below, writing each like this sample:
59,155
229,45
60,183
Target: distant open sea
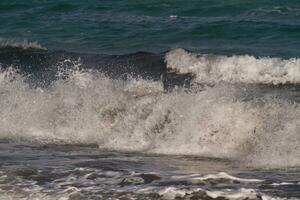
269,27
153,99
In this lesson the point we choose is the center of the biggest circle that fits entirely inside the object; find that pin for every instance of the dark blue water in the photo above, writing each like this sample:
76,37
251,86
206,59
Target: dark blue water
118,27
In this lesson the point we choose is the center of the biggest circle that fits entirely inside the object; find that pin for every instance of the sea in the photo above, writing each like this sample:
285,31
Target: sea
150,100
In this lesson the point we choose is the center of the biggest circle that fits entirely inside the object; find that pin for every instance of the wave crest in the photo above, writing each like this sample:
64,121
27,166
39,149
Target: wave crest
213,69
86,107
21,44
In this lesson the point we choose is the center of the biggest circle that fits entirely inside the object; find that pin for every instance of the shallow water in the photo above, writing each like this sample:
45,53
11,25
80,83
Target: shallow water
79,172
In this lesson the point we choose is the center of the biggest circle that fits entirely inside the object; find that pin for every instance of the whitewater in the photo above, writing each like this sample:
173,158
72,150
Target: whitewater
220,112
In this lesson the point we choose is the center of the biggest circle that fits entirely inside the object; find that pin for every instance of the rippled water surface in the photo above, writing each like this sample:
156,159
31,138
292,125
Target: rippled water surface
77,172
251,26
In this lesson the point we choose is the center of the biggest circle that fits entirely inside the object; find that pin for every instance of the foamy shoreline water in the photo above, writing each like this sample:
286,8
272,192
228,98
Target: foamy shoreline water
76,172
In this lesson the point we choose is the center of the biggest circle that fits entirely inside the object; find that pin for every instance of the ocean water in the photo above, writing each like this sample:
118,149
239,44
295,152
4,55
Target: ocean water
269,27
149,99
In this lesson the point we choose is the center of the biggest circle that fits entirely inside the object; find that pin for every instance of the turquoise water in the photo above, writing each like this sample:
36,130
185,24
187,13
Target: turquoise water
118,27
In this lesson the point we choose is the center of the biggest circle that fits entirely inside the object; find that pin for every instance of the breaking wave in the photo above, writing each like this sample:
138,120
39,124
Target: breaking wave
211,69
25,44
237,118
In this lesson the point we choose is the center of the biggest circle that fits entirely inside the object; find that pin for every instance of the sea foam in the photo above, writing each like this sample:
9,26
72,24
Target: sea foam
86,107
213,69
